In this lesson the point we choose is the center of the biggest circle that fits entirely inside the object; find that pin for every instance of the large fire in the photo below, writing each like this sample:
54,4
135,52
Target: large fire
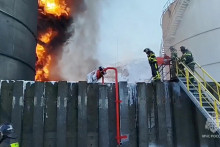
43,57
56,8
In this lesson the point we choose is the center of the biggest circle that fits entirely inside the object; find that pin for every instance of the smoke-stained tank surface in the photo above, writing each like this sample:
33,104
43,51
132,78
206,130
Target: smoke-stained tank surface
187,23
18,29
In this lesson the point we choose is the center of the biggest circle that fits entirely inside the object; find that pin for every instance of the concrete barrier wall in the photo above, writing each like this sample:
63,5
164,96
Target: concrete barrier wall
81,114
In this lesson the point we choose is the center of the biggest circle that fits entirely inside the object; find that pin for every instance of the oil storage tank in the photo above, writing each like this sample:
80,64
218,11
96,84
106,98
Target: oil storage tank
194,24
18,29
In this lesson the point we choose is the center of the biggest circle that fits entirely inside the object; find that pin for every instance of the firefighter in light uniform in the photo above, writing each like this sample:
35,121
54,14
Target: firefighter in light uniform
187,59
153,64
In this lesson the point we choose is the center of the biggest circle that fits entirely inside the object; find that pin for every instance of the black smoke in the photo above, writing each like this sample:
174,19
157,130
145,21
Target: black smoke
58,24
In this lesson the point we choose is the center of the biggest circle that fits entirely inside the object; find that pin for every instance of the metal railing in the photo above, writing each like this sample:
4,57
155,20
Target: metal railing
167,4
162,74
206,77
165,8
201,86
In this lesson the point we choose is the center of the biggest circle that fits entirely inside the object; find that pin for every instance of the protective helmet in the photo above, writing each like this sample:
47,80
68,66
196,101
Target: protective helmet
172,48
182,48
146,50
101,68
6,130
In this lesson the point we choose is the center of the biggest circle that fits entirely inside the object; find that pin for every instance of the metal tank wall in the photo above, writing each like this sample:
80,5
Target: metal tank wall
18,29
198,30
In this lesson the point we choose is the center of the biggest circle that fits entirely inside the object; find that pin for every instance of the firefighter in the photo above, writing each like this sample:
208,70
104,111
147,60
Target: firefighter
153,64
7,135
101,72
173,53
174,59
188,60
95,75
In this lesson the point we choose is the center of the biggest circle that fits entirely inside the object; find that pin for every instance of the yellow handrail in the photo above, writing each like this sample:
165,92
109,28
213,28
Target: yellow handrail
187,79
187,70
216,114
211,100
205,74
200,94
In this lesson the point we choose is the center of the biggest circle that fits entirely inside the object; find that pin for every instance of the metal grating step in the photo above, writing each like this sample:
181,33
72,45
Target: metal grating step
196,93
206,107
211,112
205,103
193,90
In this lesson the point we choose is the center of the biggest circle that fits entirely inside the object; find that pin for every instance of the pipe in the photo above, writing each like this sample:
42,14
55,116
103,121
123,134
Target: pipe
103,80
117,102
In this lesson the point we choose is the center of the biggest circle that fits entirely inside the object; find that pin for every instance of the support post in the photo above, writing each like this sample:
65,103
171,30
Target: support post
216,114
187,79
200,94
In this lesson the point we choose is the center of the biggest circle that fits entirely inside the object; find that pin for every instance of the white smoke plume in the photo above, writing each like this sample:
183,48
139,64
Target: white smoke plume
79,54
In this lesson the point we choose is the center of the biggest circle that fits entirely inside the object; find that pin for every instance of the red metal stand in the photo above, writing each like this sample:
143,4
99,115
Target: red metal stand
117,102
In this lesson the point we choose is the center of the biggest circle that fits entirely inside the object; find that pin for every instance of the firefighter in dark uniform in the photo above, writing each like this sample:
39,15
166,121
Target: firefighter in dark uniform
174,59
188,60
7,136
153,64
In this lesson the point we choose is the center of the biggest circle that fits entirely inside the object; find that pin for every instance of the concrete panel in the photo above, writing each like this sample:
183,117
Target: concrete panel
142,115
72,113
184,118
112,114
82,114
92,115
6,105
38,118
103,117
151,104
124,113
161,115
62,113
127,115
17,109
169,113
27,134
132,107
6,101
204,135
50,118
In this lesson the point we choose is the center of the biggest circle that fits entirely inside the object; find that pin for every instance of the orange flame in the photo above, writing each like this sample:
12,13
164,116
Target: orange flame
44,59
54,7
48,7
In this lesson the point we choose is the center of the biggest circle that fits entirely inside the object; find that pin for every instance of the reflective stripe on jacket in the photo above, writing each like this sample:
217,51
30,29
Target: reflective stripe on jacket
15,144
152,58
187,57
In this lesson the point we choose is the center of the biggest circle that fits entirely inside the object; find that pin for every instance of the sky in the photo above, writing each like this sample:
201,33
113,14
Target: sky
126,27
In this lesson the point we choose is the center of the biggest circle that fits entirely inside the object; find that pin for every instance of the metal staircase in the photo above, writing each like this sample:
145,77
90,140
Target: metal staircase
202,94
180,7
